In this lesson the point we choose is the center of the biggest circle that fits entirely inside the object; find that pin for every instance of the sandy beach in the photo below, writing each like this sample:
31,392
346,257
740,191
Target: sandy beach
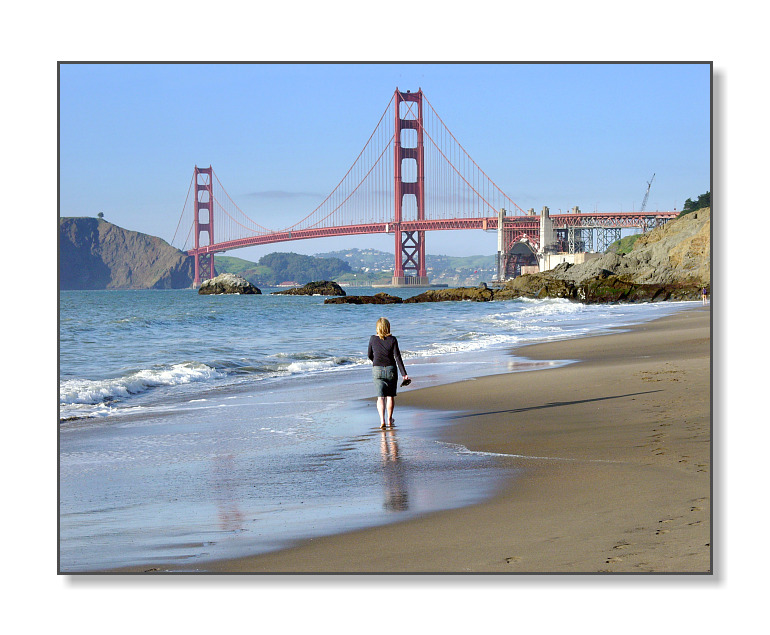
616,449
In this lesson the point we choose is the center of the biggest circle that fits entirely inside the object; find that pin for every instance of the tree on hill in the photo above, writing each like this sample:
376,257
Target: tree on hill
704,200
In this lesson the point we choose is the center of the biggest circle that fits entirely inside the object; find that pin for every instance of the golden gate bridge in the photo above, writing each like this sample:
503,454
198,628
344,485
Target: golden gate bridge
412,176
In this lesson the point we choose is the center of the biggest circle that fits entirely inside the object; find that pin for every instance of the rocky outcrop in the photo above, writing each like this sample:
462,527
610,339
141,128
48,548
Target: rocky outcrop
613,289
377,298
228,283
482,293
678,253
605,288
95,254
322,287
672,262
537,285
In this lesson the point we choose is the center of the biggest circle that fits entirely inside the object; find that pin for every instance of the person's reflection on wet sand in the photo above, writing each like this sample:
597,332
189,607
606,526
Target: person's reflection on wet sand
225,493
396,496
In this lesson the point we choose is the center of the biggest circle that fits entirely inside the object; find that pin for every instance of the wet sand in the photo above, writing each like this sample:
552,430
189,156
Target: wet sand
617,452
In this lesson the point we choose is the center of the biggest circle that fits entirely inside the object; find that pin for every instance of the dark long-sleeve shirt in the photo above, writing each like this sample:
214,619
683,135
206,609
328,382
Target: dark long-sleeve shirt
385,352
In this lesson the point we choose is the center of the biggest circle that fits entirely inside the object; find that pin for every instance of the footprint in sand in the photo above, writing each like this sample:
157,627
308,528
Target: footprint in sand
670,520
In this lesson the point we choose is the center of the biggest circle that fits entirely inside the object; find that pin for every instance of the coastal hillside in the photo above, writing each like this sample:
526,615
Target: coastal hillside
277,267
95,254
678,252
672,262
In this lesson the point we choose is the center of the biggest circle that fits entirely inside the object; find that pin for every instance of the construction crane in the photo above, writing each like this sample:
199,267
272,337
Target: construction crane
647,193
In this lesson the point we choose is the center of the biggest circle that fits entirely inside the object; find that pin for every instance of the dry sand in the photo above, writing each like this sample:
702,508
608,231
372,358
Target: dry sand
619,479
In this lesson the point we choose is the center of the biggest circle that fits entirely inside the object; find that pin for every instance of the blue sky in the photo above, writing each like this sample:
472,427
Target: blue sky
559,135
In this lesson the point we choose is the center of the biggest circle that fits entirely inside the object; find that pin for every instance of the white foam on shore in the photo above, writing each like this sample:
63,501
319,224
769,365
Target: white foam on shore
322,364
461,449
103,391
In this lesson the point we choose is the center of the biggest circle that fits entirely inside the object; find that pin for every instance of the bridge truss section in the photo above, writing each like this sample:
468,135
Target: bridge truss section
581,239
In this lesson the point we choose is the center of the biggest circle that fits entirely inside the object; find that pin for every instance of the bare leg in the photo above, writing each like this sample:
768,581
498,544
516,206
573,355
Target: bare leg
391,406
381,410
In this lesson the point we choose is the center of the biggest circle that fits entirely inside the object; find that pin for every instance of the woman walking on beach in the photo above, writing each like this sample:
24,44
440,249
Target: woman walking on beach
385,355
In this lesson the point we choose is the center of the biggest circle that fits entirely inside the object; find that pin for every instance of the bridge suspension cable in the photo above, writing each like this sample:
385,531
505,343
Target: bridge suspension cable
181,216
455,186
472,169
372,200
229,208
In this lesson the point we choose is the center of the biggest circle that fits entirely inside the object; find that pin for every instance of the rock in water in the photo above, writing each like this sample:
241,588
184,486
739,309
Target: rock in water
322,287
538,286
377,298
228,283
475,294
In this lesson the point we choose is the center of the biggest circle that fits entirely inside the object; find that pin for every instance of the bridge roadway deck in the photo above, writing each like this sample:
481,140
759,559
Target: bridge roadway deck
604,219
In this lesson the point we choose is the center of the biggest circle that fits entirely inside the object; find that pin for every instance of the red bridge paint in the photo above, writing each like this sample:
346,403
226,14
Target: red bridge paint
431,184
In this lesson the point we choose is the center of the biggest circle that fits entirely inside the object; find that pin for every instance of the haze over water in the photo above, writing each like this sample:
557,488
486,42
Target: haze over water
198,427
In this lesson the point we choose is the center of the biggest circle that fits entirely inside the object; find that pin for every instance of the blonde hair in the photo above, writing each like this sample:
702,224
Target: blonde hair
383,328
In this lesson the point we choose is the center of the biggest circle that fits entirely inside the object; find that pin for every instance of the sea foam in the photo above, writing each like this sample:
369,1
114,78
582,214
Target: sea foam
102,391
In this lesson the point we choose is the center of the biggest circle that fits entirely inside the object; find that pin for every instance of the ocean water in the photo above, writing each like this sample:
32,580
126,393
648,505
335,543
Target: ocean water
200,427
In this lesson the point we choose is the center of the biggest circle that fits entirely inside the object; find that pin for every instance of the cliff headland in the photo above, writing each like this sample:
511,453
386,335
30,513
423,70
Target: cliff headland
95,254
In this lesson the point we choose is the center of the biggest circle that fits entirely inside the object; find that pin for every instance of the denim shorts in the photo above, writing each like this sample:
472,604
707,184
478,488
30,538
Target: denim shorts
385,380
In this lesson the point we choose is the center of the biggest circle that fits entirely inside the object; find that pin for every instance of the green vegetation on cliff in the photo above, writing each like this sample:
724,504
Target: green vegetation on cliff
704,200
624,245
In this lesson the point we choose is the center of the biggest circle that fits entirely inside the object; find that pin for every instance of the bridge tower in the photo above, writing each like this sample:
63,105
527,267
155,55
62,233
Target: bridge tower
410,245
204,202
